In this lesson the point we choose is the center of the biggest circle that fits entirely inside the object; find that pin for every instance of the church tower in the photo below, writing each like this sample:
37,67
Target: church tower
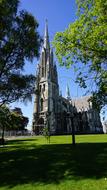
46,90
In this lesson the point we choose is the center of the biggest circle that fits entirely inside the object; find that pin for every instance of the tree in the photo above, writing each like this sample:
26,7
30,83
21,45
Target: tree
19,120
17,111
5,119
46,133
83,45
11,120
19,41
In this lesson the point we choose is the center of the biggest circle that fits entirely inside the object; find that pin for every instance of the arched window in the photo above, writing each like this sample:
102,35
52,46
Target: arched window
43,87
41,104
41,121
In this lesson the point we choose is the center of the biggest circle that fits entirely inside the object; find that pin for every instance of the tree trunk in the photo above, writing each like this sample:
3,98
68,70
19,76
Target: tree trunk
2,138
73,132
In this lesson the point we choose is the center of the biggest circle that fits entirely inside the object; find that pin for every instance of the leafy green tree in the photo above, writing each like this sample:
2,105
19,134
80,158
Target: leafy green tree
11,120
19,41
83,45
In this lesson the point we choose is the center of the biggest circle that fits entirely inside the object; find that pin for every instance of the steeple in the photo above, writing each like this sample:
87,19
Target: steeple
68,93
46,36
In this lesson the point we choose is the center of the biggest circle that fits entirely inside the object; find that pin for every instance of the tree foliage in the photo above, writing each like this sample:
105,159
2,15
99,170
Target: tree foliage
19,41
18,119
5,117
84,45
12,120
4,121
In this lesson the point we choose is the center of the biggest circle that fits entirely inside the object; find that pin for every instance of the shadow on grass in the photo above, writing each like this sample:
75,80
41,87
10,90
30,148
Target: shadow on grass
53,163
20,141
17,142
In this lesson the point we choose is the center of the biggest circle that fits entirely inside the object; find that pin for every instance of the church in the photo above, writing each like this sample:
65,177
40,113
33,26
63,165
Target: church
52,111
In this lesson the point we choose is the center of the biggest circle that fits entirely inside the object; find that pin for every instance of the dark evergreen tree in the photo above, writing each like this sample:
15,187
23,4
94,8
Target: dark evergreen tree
19,41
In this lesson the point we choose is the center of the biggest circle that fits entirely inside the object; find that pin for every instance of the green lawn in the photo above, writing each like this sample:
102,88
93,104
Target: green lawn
33,164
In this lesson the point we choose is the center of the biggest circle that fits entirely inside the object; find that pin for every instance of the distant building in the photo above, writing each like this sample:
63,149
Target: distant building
105,126
53,111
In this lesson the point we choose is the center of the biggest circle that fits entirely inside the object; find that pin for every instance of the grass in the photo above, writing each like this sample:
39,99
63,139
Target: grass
33,164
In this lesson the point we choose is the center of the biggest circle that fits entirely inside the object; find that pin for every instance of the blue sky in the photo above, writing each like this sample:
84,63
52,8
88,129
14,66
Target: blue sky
59,13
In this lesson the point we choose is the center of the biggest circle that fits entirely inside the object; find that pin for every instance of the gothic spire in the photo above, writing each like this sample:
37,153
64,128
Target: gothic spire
46,36
68,93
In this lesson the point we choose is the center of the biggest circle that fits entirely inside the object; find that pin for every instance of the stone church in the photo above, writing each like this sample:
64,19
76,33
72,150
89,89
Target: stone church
54,112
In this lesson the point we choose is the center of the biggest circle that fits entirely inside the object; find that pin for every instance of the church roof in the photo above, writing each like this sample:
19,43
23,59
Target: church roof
81,103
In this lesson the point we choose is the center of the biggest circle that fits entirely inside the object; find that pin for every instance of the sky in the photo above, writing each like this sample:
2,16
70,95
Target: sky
59,13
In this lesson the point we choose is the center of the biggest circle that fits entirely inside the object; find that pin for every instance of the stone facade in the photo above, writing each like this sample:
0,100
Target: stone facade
53,111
